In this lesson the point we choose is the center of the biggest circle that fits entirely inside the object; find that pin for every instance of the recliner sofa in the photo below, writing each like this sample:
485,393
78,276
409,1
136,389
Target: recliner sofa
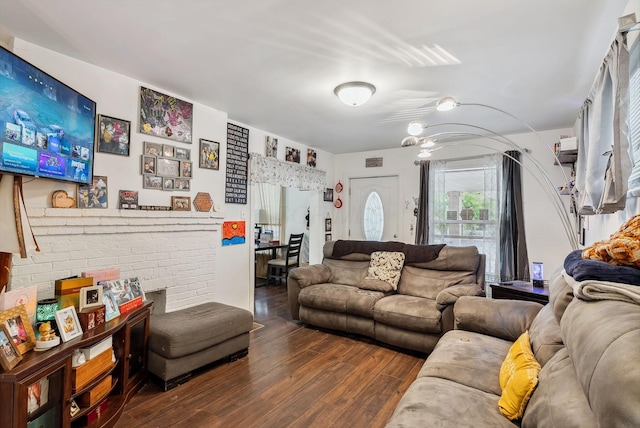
333,294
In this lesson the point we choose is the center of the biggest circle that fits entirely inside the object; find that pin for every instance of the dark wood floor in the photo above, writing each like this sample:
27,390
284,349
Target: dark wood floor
294,376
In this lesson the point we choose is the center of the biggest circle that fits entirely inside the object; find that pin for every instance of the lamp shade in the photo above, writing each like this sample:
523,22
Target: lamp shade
354,93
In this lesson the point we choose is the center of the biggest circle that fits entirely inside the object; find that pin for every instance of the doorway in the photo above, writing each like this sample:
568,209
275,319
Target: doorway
373,208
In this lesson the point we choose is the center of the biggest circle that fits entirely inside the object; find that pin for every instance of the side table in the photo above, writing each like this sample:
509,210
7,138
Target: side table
519,290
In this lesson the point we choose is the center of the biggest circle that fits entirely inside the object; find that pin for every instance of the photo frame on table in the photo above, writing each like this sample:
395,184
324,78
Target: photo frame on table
37,394
91,297
165,116
9,354
114,135
209,154
111,306
19,327
68,323
181,203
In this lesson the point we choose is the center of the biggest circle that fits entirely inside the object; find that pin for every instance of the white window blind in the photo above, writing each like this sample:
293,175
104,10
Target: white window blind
634,117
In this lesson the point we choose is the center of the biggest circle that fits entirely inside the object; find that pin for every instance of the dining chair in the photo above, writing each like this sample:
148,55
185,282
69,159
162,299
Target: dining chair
278,269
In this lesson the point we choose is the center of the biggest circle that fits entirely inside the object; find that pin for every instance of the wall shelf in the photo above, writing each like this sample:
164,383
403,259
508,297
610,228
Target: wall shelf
566,157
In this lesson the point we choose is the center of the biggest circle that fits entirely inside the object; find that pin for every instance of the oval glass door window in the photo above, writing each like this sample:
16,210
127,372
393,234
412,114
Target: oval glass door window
373,220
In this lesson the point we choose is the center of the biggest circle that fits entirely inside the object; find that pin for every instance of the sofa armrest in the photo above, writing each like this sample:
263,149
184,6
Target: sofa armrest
450,295
505,319
303,277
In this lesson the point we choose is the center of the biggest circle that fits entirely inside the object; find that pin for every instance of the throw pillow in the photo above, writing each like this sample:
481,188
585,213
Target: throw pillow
518,378
384,266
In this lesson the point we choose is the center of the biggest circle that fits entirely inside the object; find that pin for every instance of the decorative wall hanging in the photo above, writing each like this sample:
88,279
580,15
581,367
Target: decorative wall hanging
271,146
271,170
293,155
165,116
114,135
311,158
328,195
166,167
233,233
94,196
338,203
339,187
209,154
237,171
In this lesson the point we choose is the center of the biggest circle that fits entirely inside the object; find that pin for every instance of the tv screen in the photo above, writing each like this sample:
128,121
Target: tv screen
48,129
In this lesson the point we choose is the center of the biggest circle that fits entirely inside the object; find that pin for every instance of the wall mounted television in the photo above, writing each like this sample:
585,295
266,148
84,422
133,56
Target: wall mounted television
47,128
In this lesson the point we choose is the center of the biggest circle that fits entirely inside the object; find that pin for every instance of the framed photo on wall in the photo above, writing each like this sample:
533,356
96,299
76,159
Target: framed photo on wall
165,116
328,194
181,203
209,154
113,135
94,196
327,225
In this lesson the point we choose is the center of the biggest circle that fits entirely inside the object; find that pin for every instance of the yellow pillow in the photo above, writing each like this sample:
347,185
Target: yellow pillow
518,378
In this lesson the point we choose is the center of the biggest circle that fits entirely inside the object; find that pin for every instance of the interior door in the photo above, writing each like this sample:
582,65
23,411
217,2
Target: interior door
374,199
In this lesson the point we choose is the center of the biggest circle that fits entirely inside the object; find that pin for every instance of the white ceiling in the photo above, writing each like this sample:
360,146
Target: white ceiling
273,64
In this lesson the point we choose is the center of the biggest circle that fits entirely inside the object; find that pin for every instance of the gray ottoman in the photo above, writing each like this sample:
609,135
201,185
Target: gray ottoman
185,340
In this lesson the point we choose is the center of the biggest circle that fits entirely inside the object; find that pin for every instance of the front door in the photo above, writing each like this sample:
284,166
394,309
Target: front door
373,208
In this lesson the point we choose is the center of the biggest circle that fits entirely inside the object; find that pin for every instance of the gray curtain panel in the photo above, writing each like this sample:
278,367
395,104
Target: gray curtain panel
604,165
514,260
422,226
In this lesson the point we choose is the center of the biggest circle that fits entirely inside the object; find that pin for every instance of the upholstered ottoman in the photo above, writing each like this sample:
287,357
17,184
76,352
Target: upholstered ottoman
187,339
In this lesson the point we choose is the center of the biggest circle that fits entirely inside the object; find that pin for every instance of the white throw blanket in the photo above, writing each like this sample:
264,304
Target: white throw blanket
603,290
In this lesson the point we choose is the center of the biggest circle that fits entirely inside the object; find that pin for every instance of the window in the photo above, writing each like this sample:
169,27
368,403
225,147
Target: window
373,220
463,209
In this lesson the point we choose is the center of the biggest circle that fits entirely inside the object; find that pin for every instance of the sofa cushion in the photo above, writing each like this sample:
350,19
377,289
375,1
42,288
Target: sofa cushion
385,266
435,402
518,378
347,272
558,400
546,338
340,298
468,358
421,282
409,313
560,295
313,274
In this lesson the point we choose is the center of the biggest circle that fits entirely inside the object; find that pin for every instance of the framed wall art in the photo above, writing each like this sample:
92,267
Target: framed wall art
148,165
152,149
328,195
209,154
185,169
165,116
293,155
311,158
9,353
166,167
94,196
271,145
168,184
19,327
114,135
152,182
68,323
181,203
90,297
182,154
168,151
181,184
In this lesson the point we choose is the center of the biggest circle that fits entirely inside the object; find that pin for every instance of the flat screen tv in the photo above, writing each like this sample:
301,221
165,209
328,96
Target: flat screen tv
47,128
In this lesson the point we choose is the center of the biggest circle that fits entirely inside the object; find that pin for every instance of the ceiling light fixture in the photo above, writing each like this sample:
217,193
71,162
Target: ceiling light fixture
446,104
354,93
422,154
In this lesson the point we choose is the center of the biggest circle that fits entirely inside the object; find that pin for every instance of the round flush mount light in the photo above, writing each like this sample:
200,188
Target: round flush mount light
446,104
354,93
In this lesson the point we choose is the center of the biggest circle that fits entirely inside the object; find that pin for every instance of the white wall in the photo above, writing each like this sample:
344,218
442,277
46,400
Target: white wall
228,271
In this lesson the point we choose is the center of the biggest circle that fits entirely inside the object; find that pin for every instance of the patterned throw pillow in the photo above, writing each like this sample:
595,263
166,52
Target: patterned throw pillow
385,266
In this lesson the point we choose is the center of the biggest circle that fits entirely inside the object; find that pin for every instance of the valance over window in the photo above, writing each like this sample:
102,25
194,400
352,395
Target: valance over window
270,170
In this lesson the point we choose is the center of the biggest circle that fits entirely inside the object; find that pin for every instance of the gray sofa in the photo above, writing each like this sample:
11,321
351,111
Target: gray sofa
589,352
332,295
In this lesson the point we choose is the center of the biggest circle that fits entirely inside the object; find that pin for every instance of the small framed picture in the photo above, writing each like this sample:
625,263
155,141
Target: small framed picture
185,169
19,326
292,155
311,158
168,184
90,297
168,151
111,306
209,154
182,154
114,135
152,149
181,203
9,353
37,394
152,182
271,145
148,165
181,184
327,237
94,196
327,225
68,323
328,194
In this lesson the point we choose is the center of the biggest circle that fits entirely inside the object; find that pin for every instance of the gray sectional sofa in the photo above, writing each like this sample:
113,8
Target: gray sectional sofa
332,295
589,352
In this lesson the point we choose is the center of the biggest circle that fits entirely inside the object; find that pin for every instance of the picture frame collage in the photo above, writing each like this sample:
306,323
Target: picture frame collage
166,167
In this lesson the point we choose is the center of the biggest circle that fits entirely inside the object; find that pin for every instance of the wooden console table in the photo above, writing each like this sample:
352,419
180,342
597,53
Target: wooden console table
130,336
519,290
